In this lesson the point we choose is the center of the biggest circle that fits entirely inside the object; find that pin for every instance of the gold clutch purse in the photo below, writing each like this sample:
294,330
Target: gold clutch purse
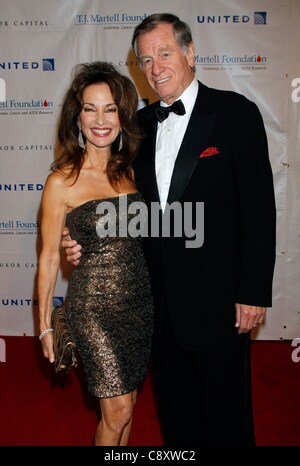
64,344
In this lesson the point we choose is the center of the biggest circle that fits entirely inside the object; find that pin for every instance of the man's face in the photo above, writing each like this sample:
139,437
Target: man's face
166,66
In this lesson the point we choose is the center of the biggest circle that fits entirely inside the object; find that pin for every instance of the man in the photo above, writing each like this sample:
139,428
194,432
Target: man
212,150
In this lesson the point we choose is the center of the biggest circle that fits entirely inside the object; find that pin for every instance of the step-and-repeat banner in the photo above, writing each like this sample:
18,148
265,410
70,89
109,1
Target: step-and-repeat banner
249,46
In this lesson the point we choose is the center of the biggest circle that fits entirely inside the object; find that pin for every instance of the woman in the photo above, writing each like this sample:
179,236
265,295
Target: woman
109,303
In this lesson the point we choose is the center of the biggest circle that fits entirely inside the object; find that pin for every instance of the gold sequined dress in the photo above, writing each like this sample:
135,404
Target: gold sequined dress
109,302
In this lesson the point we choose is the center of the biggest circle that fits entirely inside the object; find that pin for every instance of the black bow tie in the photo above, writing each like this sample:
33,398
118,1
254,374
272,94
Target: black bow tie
163,112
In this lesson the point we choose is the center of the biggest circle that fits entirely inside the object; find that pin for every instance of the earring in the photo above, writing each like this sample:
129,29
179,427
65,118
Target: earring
120,141
80,140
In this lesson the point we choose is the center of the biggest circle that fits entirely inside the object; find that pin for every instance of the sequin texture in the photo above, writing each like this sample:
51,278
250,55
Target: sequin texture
109,301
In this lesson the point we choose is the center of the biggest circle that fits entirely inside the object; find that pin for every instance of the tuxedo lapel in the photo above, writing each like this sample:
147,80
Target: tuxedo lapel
149,124
151,166
194,142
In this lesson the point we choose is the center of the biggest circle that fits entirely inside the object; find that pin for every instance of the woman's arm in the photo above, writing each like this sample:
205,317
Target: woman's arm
53,219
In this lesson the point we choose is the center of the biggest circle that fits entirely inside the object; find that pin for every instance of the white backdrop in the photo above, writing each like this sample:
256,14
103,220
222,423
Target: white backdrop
250,46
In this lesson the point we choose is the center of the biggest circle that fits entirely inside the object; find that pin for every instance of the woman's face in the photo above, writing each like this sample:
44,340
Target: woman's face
99,118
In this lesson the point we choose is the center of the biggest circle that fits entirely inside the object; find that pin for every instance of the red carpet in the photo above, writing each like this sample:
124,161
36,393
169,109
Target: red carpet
39,409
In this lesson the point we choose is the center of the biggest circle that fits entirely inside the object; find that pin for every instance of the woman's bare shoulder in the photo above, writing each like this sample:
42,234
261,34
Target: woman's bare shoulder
60,178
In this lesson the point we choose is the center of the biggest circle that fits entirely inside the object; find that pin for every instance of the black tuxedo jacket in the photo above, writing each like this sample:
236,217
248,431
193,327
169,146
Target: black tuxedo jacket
223,162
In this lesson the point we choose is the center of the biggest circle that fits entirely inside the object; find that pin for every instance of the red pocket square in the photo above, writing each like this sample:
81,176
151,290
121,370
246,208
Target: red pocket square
209,151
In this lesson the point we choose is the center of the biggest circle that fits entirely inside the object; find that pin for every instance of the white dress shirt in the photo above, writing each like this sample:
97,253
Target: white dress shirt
169,137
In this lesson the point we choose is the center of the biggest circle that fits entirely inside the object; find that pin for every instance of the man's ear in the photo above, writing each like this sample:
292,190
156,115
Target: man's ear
191,55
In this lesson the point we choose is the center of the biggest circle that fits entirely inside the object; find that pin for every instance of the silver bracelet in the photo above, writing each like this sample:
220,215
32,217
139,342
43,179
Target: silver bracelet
44,332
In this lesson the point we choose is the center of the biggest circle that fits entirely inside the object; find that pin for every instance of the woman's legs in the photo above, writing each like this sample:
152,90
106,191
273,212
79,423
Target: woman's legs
116,418
127,430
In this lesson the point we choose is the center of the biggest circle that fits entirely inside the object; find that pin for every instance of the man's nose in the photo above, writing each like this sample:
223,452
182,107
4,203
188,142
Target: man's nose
157,67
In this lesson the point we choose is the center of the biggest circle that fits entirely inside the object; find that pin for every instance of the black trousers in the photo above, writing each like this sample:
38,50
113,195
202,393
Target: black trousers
204,397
